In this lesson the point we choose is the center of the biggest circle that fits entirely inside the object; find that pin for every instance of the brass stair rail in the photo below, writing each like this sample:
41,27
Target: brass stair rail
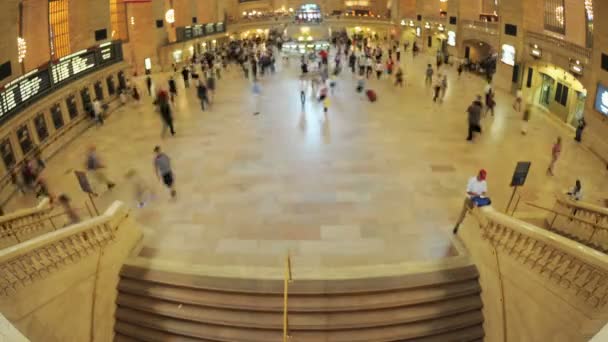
573,218
287,279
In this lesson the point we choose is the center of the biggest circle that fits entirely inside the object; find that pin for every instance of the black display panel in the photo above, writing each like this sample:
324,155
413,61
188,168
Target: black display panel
219,27
70,102
18,92
72,66
6,151
98,90
108,53
5,70
101,34
25,139
41,129
111,86
21,92
57,116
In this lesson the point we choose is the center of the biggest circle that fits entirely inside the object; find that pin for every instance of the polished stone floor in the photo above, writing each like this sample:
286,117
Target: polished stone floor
369,183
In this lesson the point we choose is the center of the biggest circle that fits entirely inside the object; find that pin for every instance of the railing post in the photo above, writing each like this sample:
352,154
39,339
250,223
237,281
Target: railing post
287,280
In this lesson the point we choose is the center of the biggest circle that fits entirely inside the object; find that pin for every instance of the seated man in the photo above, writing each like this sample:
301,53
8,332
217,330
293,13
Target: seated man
476,189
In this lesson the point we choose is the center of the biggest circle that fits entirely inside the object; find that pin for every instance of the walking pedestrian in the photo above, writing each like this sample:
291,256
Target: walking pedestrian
490,103
186,77
167,118
172,88
526,118
96,168
460,68
444,87
399,77
257,93
70,211
580,127
477,188
556,151
98,111
162,169
474,117
518,100
429,75
149,85
379,69
303,87
201,92
437,89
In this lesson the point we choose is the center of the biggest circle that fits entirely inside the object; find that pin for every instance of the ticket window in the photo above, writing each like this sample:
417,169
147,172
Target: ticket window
57,116
25,139
111,86
70,103
98,90
122,80
85,96
42,129
6,152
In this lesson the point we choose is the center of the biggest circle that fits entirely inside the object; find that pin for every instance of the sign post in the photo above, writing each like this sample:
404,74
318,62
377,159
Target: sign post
86,187
519,179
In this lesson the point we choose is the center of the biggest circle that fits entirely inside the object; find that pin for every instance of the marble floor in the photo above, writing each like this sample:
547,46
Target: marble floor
369,183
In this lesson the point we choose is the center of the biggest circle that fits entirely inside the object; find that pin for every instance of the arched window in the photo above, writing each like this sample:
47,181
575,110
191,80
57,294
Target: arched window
118,16
555,16
59,28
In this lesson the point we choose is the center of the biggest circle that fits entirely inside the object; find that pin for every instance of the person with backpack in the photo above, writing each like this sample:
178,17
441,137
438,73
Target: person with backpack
172,88
399,77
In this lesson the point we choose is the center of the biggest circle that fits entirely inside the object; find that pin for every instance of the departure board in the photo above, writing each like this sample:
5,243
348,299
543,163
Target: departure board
108,53
72,65
19,93
23,89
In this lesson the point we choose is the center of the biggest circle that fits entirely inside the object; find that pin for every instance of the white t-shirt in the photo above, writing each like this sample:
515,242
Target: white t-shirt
476,186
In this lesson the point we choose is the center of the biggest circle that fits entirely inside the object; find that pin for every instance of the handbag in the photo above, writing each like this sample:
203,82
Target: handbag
481,201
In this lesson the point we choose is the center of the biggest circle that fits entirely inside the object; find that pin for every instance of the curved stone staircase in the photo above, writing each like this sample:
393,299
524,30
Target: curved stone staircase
162,305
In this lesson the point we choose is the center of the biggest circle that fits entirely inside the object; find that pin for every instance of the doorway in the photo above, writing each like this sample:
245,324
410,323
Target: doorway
545,90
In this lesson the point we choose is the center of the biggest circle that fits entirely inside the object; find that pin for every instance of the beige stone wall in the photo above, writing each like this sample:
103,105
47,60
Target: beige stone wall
8,43
36,33
87,16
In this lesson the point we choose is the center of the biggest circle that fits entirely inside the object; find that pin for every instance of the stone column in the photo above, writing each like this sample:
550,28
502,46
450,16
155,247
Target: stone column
10,31
510,12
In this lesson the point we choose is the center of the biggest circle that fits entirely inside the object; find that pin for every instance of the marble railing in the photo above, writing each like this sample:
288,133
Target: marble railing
481,26
559,46
25,263
22,224
579,270
587,223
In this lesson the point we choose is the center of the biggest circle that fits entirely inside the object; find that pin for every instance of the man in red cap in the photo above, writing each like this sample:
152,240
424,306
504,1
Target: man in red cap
477,187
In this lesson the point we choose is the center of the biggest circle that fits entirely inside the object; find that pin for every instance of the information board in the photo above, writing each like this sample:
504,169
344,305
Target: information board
20,92
23,89
72,65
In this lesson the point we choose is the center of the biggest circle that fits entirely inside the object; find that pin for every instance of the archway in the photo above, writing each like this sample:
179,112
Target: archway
479,56
555,90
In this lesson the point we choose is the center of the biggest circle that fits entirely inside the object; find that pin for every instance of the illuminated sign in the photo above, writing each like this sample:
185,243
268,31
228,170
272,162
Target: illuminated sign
576,67
418,31
508,54
535,51
170,16
601,99
451,38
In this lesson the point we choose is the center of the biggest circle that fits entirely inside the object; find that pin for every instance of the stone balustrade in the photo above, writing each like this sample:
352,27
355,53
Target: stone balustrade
23,224
481,26
590,225
559,46
580,270
24,263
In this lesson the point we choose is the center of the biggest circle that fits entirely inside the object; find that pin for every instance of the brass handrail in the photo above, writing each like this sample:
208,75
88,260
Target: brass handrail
571,217
287,280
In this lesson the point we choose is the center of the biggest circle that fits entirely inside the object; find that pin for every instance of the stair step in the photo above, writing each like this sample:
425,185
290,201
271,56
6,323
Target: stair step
133,333
397,332
305,321
123,338
298,303
469,334
302,286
